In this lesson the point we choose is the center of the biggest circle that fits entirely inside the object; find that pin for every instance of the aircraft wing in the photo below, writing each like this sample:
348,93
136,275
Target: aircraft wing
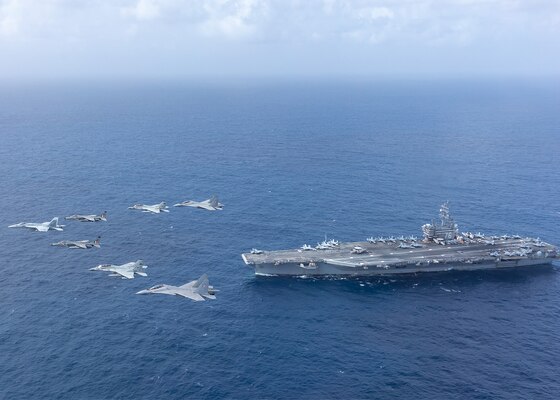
89,218
192,296
125,272
41,228
188,285
80,245
152,209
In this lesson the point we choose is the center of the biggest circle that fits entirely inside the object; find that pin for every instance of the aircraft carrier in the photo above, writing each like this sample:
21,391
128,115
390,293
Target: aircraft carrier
442,248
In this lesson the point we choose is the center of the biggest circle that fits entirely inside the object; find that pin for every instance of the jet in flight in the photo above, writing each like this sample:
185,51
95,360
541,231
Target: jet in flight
126,271
212,204
156,208
40,227
198,290
88,218
79,244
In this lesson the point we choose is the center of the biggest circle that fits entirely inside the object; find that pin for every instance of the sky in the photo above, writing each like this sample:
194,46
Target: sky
279,38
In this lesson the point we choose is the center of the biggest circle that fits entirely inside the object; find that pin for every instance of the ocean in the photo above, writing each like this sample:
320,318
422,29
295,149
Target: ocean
293,162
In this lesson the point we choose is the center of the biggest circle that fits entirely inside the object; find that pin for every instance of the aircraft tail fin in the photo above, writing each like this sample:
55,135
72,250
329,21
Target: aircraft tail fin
203,288
103,216
97,242
54,222
201,284
140,266
214,202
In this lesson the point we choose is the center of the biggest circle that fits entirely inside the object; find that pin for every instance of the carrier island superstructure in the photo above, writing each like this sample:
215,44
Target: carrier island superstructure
442,248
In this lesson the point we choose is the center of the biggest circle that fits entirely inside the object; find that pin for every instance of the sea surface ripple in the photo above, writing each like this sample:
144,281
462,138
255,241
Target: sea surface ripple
292,162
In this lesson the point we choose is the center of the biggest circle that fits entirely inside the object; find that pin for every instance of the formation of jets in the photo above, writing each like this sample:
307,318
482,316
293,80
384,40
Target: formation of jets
198,290
40,226
79,244
211,204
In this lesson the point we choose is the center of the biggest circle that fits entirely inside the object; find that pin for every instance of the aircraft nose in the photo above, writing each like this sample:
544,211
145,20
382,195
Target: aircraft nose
143,292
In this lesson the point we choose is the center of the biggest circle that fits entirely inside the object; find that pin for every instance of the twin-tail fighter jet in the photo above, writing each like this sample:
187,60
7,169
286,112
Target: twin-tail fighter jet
88,218
156,208
79,244
40,226
198,290
126,271
212,204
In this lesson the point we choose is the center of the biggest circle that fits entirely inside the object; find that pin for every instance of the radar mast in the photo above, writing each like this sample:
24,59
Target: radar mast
446,230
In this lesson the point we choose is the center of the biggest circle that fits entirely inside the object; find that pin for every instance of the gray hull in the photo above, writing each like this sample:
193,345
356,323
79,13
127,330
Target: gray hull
293,269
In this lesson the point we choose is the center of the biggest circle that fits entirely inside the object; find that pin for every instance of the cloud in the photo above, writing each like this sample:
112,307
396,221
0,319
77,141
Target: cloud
289,21
232,19
143,10
312,34
9,18
374,13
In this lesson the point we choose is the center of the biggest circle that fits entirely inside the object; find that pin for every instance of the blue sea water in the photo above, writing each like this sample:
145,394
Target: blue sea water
292,162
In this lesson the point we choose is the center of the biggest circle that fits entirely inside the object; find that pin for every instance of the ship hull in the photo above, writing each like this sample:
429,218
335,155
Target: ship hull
294,269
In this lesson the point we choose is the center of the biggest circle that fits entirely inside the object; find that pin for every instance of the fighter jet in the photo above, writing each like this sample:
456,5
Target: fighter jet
198,290
88,218
126,271
212,204
79,244
40,227
156,208
323,246
539,243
